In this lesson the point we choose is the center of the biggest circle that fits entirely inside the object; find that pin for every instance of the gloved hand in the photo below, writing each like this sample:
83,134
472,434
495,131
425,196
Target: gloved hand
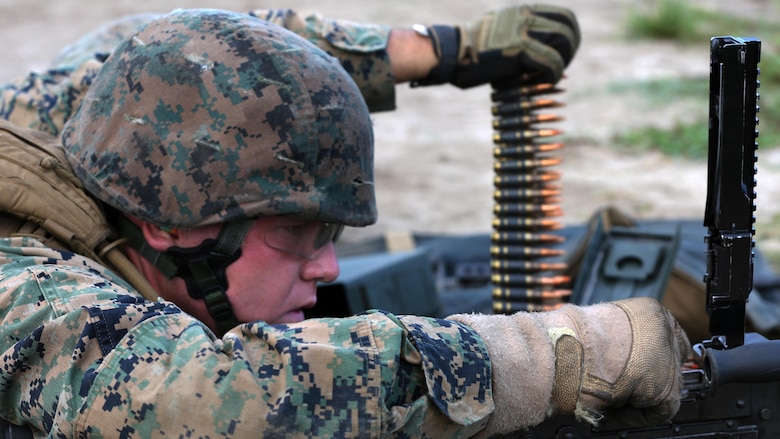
621,359
503,45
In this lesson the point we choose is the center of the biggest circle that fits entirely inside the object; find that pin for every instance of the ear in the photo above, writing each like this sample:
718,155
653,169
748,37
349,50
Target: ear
158,238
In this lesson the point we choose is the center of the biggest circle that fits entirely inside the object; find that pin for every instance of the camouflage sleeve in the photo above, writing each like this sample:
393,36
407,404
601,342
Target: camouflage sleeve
45,100
84,356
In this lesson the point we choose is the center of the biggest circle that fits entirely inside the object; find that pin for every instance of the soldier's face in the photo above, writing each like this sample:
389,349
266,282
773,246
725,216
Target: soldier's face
275,279
282,261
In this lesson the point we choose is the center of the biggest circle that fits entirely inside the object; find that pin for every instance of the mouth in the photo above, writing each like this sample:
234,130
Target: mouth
294,316
299,314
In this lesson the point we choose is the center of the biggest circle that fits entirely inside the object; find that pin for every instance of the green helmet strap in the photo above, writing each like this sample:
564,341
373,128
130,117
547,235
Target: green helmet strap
203,267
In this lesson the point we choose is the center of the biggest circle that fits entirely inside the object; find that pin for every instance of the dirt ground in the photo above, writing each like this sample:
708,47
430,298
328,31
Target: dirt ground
433,155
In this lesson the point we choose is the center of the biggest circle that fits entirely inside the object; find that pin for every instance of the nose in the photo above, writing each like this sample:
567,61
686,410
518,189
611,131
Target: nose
324,266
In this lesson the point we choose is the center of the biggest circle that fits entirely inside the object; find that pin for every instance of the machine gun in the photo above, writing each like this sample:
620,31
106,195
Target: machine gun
733,390
731,186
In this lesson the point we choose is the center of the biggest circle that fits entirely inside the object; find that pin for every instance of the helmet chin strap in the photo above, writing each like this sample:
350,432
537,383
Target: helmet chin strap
202,267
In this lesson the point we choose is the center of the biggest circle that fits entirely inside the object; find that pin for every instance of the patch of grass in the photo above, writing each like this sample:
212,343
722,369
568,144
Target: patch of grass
769,113
684,22
669,19
683,140
664,91
687,139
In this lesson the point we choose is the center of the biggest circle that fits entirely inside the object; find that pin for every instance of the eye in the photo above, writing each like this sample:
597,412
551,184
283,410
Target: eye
327,233
302,238
297,230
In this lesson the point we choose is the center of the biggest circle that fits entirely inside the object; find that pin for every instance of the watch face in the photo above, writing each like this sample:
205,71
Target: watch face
421,29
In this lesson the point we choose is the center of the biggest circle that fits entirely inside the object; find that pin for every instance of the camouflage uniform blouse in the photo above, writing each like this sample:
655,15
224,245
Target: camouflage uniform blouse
85,356
45,100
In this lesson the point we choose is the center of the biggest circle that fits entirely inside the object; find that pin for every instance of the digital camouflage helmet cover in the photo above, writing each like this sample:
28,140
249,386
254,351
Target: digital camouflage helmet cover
209,116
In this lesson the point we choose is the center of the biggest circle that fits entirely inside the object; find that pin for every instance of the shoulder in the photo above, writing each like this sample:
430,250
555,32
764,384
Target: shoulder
33,275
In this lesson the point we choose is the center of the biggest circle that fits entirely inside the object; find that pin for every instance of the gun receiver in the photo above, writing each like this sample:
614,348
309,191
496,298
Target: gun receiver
729,214
734,392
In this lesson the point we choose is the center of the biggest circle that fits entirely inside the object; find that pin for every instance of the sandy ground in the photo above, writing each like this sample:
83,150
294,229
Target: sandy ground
433,159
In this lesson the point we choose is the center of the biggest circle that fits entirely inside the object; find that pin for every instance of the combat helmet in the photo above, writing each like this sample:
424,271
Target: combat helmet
206,116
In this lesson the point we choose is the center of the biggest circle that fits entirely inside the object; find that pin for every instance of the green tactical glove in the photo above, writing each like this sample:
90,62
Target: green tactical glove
505,45
621,359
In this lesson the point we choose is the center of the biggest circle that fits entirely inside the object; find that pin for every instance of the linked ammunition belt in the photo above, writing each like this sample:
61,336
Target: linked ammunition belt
525,270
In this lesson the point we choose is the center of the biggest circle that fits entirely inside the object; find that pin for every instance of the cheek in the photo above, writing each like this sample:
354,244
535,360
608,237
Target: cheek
260,283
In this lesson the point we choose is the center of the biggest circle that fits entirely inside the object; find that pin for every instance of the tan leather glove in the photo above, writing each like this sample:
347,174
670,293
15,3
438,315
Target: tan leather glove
621,358
504,45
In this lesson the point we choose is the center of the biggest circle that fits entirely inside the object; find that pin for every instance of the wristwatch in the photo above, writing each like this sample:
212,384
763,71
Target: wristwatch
446,41
422,30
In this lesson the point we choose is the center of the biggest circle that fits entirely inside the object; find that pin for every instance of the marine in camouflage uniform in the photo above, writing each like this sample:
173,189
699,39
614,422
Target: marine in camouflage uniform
217,102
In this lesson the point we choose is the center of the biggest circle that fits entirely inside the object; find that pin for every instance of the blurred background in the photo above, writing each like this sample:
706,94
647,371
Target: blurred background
635,97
